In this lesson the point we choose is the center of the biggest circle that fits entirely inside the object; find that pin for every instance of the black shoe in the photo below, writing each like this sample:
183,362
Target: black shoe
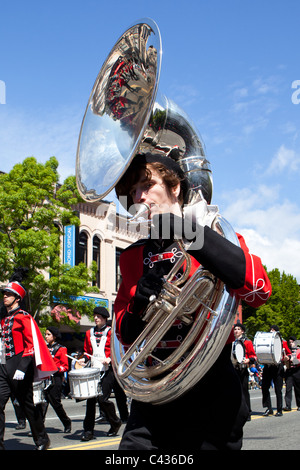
286,408
67,429
268,412
43,446
114,430
279,413
101,419
88,436
20,426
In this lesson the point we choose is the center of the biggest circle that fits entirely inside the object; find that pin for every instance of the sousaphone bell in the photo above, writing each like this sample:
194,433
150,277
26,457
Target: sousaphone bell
125,117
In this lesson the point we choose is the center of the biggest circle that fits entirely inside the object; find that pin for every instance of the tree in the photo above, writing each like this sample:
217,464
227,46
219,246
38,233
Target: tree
34,208
282,308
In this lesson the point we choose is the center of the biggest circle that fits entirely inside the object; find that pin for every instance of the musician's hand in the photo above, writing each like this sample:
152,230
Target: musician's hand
149,285
19,375
106,361
81,362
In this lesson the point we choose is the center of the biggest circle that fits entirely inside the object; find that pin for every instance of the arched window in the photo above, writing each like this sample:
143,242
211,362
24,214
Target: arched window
118,272
96,258
82,248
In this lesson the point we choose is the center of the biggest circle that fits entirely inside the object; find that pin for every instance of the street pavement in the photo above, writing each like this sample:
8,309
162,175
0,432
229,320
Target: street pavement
261,433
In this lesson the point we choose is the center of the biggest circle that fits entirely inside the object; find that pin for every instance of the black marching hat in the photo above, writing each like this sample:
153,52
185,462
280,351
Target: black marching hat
101,311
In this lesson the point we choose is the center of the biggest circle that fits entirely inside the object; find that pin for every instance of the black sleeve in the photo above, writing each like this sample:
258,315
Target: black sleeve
222,258
24,363
131,326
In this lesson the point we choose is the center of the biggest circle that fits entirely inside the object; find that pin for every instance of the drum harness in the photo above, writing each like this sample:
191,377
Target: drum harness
241,365
98,346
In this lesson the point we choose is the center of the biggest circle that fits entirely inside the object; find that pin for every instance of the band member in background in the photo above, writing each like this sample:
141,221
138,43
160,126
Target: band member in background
292,375
275,373
120,396
239,331
26,359
97,351
53,391
159,182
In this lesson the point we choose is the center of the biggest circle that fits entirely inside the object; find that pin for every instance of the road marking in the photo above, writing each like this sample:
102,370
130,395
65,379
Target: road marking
89,445
273,415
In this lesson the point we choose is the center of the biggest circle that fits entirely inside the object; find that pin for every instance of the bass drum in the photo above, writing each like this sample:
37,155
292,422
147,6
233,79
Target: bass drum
268,347
237,352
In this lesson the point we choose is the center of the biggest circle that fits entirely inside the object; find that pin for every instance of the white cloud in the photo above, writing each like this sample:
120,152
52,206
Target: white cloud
284,159
41,135
270,226
263,86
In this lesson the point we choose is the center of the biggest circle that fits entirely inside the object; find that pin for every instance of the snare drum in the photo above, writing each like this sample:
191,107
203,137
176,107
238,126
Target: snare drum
84,383
268,347
38,393
237,352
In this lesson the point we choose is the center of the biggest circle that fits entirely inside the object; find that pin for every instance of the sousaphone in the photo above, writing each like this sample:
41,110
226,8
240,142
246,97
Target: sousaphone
125,116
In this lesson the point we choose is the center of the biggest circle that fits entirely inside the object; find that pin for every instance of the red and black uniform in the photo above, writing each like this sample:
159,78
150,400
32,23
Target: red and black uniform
54,390
93,339
25,351
292,379
59,354
274,373
242,369
155,427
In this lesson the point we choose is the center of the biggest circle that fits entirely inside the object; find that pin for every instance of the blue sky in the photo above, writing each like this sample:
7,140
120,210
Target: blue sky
230,64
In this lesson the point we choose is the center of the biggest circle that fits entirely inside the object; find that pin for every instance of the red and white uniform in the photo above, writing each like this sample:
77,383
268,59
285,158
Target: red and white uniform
249,349
23,339
285,349
97,345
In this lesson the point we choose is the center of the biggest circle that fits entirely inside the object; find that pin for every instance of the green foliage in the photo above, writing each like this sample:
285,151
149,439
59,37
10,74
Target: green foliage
282,308
33,212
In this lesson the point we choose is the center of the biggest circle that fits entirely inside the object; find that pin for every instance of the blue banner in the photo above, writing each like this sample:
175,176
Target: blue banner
69,245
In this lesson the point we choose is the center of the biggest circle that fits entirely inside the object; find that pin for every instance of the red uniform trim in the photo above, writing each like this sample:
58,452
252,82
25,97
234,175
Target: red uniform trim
255,291
61,359
88,345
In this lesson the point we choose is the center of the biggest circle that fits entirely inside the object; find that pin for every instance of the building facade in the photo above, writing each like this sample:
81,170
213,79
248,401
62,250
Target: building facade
101,237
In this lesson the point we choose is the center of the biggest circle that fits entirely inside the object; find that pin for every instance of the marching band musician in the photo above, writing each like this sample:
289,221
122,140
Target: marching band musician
159,182
292,375
53,392
26,359
239,331
275,373
97,350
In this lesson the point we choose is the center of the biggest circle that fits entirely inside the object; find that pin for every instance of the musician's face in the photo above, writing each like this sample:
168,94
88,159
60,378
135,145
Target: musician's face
155,193
10,300
99,320
237,331
49,337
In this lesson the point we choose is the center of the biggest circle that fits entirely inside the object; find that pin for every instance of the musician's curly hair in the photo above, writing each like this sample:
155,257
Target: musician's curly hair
132,175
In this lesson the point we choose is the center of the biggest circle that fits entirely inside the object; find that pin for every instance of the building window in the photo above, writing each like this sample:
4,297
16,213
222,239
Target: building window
96,258
118,272
82,248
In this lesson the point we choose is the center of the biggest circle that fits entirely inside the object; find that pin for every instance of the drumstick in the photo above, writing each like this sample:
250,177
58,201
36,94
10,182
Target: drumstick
94,357
73,358
97,358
